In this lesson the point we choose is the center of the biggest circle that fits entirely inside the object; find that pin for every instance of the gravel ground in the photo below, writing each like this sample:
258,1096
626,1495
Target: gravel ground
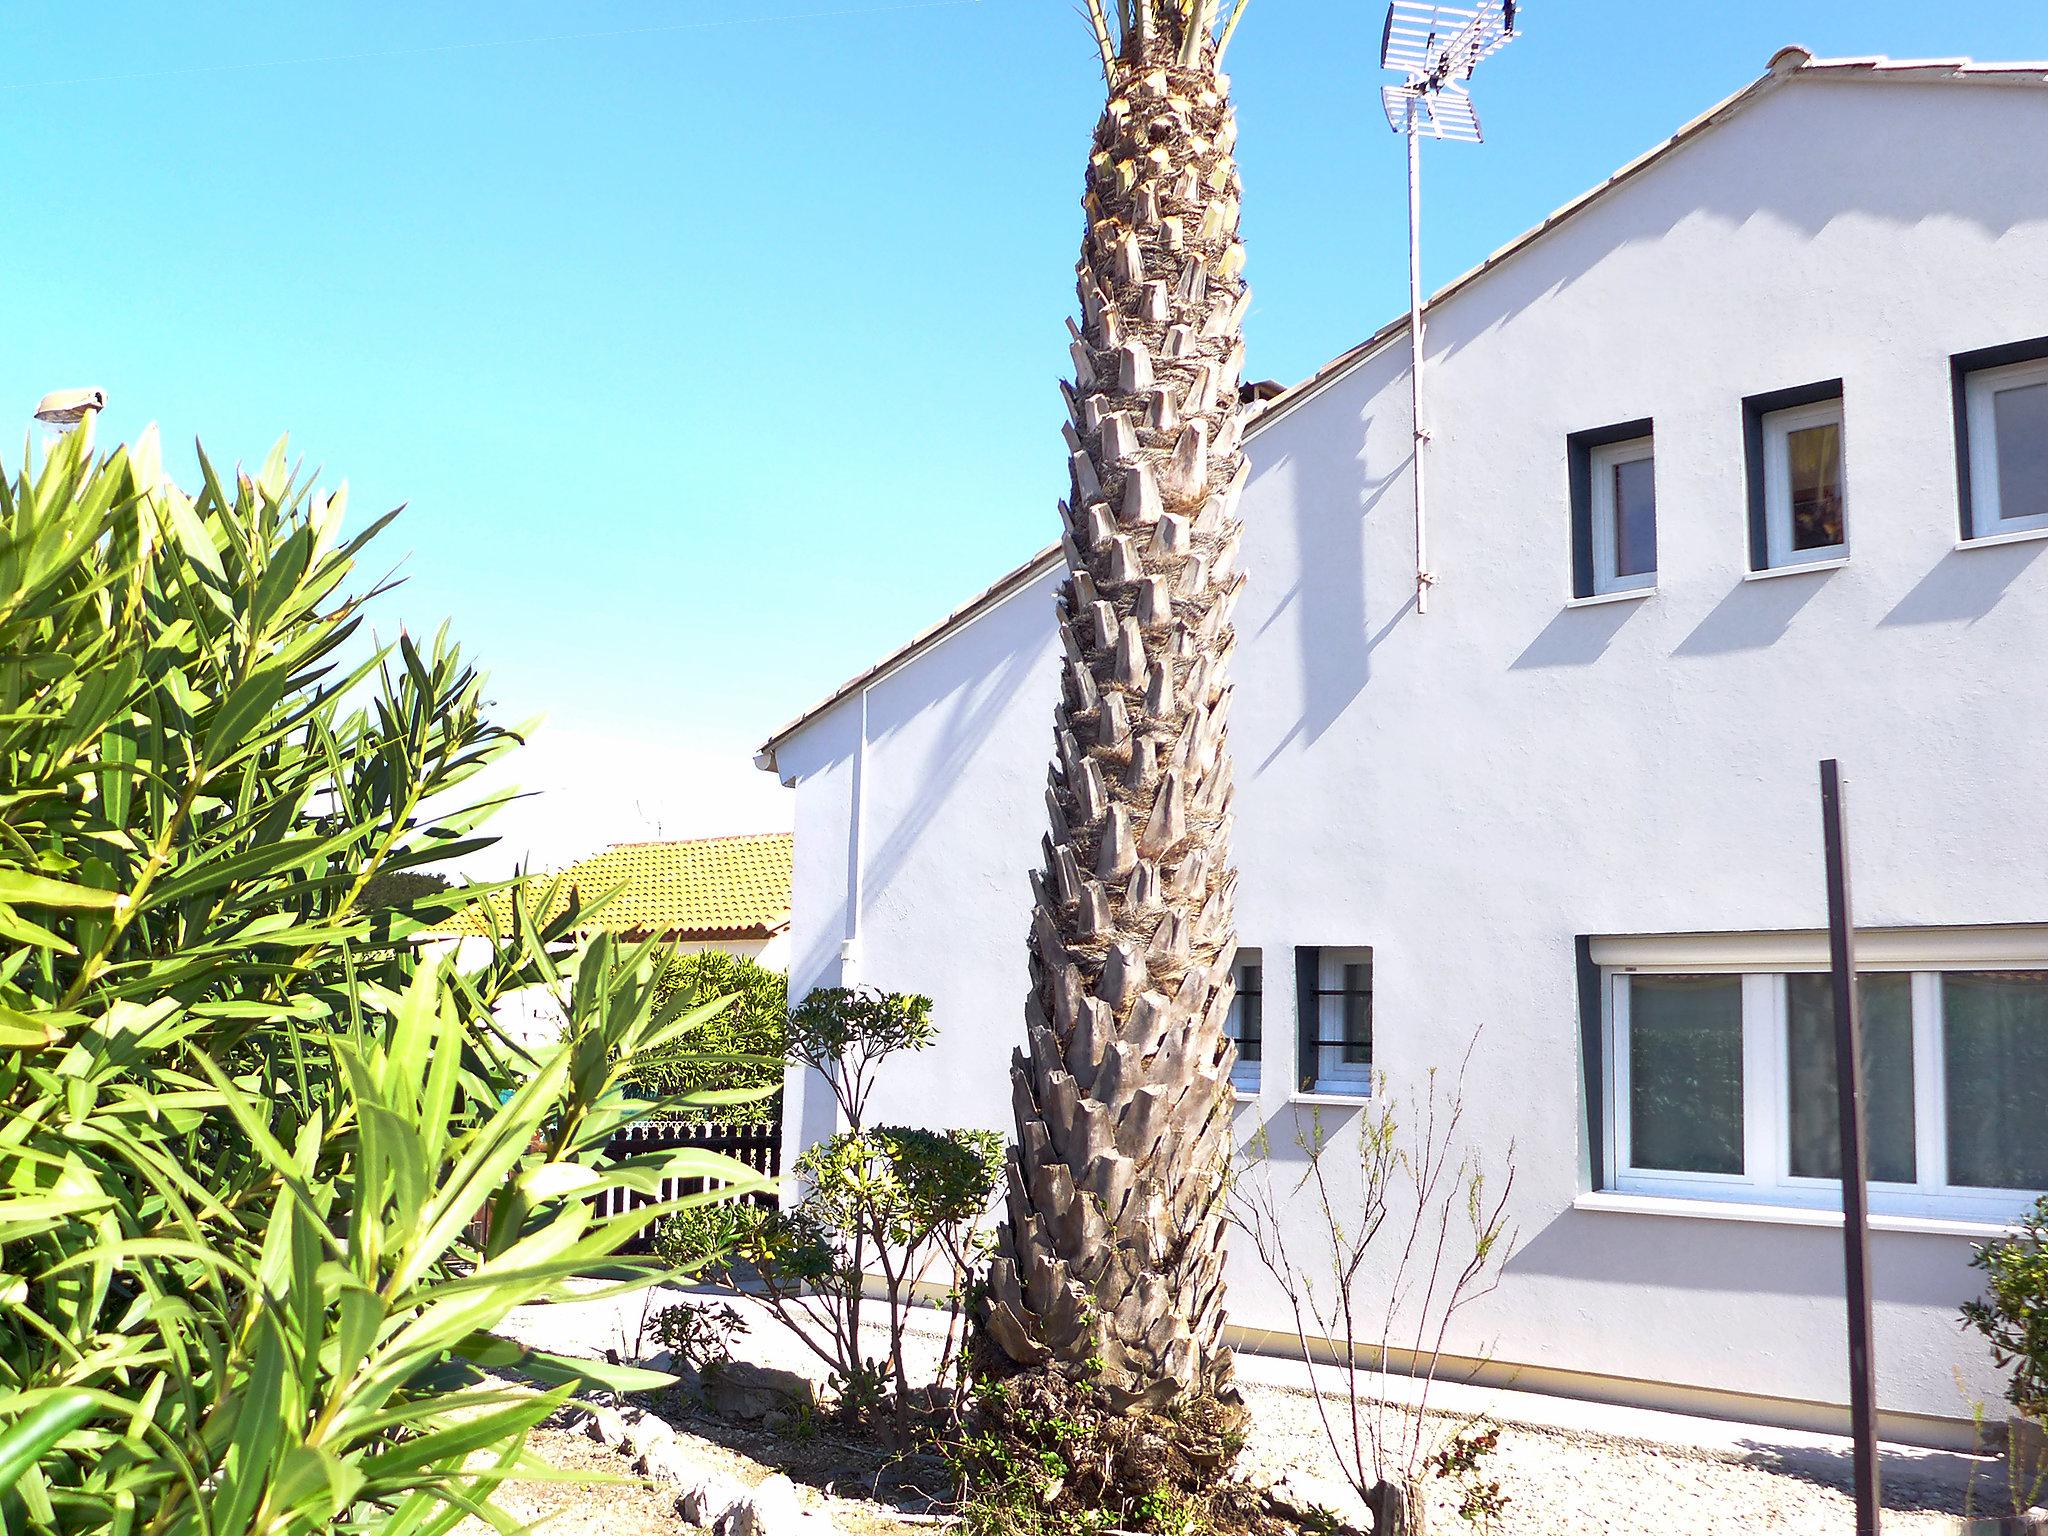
1558,1483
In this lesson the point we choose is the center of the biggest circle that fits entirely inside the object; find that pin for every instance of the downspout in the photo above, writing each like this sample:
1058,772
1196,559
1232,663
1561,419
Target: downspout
856,836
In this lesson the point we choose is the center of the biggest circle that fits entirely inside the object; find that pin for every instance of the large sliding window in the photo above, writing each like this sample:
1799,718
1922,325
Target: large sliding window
1721,1085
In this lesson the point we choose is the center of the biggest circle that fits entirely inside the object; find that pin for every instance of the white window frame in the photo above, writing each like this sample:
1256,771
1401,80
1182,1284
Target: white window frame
1602,463
1347,1078
1778,427
1766,1178
1980,423
1245,1075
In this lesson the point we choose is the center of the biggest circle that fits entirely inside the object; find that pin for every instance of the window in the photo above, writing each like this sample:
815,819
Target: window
1799,489
1614,510
1722,1085
2005,447
1335,1018
1806,500
1994,1063
1246,1024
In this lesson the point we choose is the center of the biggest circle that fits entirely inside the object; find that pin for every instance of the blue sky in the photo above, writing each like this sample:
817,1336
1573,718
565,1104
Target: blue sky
713,345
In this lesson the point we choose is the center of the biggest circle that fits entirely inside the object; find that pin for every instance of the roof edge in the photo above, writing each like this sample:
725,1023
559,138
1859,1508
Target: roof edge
997,592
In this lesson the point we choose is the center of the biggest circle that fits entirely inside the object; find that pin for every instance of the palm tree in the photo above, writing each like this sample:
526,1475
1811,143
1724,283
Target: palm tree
1110,1266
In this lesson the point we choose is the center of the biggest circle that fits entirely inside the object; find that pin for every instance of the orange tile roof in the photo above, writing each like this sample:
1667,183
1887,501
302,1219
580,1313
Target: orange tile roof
706,888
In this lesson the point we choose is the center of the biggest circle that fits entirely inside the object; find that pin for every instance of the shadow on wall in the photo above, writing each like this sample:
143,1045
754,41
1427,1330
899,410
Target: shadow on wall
1576,637
1754,614
1327,599
1687,1253
987,675
1964,585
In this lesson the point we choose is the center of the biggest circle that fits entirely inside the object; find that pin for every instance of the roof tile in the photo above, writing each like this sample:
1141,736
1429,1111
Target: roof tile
712,887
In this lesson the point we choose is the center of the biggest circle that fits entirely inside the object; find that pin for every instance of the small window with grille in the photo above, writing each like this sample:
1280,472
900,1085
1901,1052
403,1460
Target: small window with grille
1246,1024
1334,1012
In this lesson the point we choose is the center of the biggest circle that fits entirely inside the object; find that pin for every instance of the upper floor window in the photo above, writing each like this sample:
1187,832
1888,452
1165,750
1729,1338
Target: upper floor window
1722,1085
1798,477
1614,510
2004,442
1335,1018
1806,497
1246,1024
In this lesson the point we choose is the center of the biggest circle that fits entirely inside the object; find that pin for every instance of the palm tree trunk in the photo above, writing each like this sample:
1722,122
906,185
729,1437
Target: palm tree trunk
1110,1262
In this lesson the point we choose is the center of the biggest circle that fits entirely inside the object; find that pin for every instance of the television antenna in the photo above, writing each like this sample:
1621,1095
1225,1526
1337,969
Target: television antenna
1436,47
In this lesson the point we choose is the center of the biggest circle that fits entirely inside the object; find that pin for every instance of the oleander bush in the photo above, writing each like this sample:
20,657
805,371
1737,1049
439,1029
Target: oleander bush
269,1175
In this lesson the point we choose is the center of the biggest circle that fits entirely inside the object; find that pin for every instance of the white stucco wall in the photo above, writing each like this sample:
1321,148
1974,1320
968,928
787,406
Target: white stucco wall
1471,789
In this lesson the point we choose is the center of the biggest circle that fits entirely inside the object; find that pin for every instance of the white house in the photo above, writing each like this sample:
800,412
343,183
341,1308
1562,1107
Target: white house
1737,463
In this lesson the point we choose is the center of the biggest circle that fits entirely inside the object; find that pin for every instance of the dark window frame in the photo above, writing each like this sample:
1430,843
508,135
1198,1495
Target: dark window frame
1754,409
1309,992
1960,367
1578,453
1251,1009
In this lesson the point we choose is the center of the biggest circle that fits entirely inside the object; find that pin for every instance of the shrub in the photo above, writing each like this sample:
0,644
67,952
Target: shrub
271,1174
1396,1237
741,1051
888,1203
699,1333
2013,1311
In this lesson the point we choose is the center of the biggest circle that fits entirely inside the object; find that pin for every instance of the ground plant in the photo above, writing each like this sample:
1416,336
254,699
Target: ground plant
271,1175
1378,1244
698,1333
1038,1456
898,1209
2012,1315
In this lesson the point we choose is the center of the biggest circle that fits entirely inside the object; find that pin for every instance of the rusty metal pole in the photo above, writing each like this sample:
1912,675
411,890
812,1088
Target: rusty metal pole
1855,1150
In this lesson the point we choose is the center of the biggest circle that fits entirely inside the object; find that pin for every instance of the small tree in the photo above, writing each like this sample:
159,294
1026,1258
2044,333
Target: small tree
1401,1239
888,1203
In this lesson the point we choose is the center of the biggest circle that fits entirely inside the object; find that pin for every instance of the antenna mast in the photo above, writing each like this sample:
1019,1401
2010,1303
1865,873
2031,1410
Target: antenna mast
1436,47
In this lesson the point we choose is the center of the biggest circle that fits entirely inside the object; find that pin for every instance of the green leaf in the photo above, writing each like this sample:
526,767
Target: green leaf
47,1420
20,888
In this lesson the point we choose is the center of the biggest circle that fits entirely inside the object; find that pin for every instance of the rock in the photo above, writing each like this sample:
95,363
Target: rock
606,1427
738,1389
770,1509
1310,1500
667,1462
705,1498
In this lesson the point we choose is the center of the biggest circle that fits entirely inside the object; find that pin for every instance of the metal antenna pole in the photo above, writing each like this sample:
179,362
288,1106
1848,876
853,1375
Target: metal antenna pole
1436,47
1422,576
1855,1150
